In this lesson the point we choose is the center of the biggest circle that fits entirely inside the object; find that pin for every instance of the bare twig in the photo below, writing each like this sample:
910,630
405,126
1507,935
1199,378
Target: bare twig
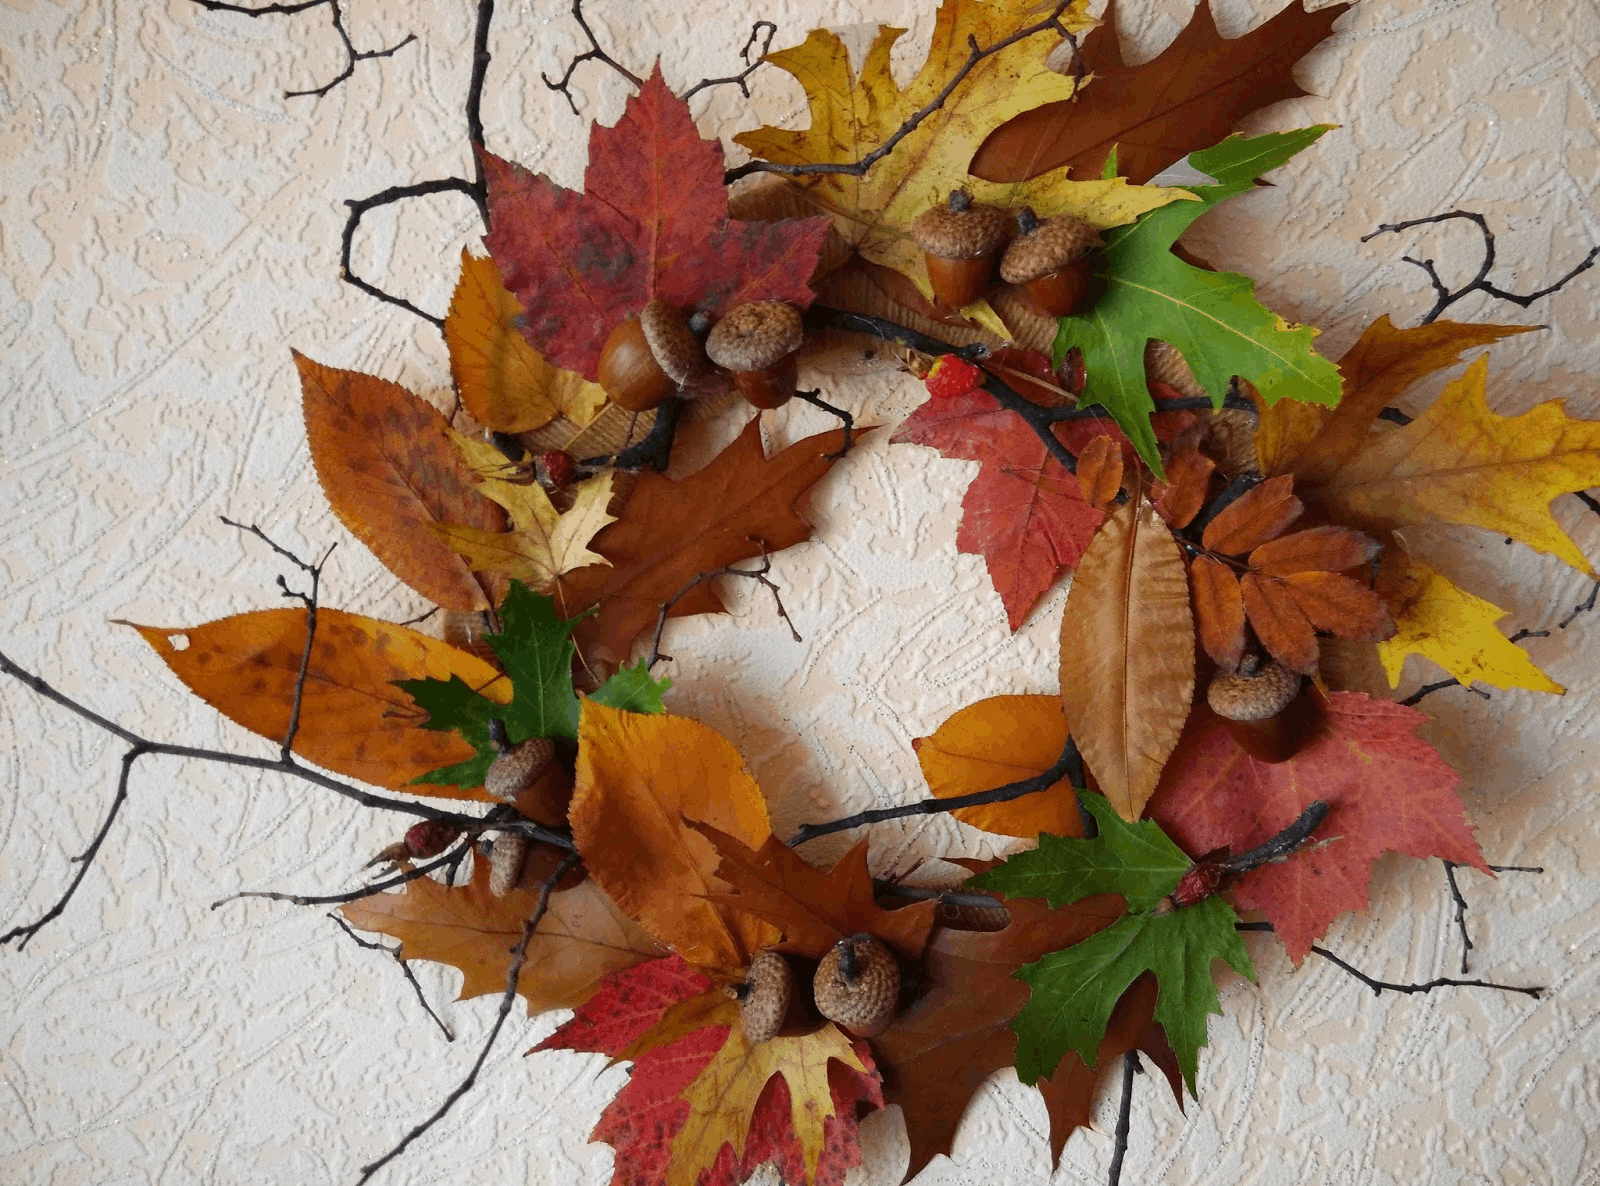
593,54
411,978
759,575
1582,607
1427,690
857,168
814,398
1444,296
351,54
1068,766
519,956
1461,902
763,31
361,207
1284,844
452,858
1119,1149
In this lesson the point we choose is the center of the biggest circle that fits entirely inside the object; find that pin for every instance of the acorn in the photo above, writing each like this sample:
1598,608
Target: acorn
757,341
1255,704
1051,260
650,356
959,241
764,996
858,985
505,863
517,768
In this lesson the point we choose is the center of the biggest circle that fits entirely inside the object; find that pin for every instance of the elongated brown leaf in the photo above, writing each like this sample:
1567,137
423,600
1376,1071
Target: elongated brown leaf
1279,622
1218,610
1319,549
1339,605
1127,654
391,477
353,720
1253,518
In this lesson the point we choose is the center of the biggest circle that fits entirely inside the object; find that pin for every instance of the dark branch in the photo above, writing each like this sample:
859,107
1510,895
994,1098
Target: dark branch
480,71
858,168
763,31
1444,296
1461,902
593,54
519,956
351,54
1378,986
1582,607
1119,1150
411,978
1277,848
361,207
759,575
814,398
1426,690
1068,766
453,858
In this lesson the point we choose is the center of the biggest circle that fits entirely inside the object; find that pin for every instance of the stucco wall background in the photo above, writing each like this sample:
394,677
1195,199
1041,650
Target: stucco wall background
168,230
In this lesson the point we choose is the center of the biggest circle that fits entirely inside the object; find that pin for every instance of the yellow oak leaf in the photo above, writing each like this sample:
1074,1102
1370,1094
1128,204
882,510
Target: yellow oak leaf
1460,462
543,543
724,1094
853,114
1449,626
504,382
639,778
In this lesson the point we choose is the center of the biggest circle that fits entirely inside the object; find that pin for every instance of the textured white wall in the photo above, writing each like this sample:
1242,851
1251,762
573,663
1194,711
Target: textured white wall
168,230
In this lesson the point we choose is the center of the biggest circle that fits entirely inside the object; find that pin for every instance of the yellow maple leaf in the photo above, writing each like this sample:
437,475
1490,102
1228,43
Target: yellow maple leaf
543,543
1460,462
854,114
504,382
723,1096
1449,626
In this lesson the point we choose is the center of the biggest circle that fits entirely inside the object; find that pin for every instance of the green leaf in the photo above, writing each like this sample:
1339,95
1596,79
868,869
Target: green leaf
1108,171
1134,860
632,690
1212,318
454,705
1074,991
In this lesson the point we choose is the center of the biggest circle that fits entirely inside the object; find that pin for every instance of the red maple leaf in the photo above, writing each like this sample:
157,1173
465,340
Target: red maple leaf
1387,791
652,221
644,1118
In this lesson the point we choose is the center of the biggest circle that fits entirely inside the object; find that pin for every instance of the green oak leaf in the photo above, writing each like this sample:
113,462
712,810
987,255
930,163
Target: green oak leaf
1134,860
1213,318
535,648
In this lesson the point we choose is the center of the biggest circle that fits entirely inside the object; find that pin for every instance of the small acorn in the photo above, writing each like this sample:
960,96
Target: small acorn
765,996
757,341
959,241
1051,259
517,768
505,863
1253,702
858,985
650,356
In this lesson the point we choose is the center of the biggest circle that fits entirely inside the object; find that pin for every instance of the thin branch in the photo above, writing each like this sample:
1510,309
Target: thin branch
1426,690
351,54
480,71
519,956
1284,844
1461,902
1378,986
361,207
763,31
858,168
1444,296
759,575
654,451
593,54
452,858
411,978
814,398
1068,766
1119,1150
1582,607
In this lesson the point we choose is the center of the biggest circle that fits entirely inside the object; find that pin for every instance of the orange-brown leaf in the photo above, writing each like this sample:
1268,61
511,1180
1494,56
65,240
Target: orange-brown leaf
353,720
1218,610
581,940
814,908
1279,622
1257,515
1181,496
1341,606
1100,471
1127,654
997,741
1318,549
391,477
671,531
639,779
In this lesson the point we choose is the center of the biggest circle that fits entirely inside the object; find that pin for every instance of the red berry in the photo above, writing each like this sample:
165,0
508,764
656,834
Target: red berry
951,376
1203,879
430,838
555,469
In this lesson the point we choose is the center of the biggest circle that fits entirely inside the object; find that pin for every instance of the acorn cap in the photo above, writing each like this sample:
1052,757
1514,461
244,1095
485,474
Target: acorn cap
961,229
677,351
515,769
1242,697
764,996
1053,243
858,985
755,335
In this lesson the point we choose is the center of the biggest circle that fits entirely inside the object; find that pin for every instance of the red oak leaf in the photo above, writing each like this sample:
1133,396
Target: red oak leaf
652,221
1387,790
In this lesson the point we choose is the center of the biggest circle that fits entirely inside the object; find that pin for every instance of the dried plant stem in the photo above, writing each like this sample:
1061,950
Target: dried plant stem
351,54
452,859
1119,1148
411,978
758,575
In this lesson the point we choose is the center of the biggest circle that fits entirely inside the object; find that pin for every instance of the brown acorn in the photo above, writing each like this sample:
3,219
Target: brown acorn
505,862
959,241
650,356
765,996
1051,259
1261,706
517,768
858,985
757,341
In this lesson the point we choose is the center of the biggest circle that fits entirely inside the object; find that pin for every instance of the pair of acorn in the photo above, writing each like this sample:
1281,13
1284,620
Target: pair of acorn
857,987
664,351
962,240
